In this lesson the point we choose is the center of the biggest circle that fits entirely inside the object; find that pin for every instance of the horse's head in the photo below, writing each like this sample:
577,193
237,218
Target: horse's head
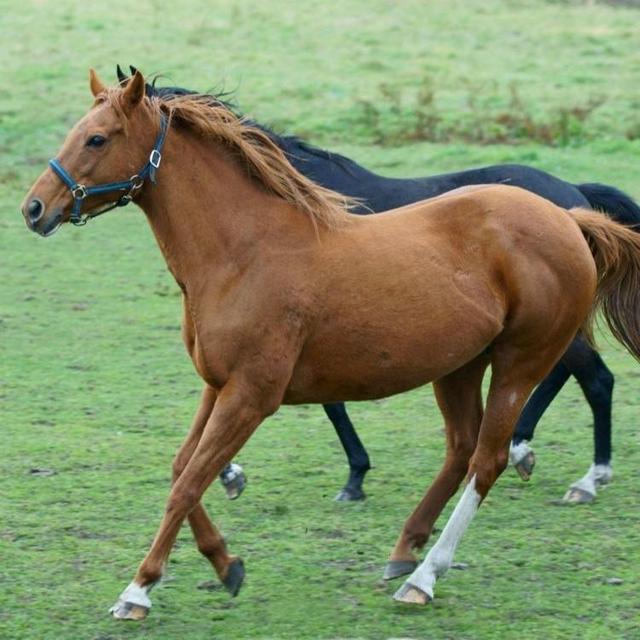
102,161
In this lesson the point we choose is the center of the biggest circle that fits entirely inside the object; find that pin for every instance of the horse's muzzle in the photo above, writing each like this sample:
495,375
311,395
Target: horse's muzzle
33,212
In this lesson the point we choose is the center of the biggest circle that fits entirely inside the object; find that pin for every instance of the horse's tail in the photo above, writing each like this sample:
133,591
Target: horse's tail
613,202
616,251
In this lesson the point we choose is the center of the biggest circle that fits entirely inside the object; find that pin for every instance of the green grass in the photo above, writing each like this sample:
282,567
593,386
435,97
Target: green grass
96,386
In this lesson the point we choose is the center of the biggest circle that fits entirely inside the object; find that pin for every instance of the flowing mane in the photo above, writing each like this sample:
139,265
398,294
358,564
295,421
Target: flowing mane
265,161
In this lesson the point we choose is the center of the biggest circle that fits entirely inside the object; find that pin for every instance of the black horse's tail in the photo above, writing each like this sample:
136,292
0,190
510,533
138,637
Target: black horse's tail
616,204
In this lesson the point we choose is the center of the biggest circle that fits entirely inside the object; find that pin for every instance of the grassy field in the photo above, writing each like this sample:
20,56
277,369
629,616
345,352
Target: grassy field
97,391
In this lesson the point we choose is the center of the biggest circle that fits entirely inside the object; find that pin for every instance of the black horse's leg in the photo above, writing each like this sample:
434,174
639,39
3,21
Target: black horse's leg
521,456
356,453
596,382
537,404
597,387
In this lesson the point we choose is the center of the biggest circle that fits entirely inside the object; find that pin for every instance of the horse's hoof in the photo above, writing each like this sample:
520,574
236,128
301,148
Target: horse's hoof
410,594
122,610
133,603
350,494
525,466
235,577
576,495
233,480
397,568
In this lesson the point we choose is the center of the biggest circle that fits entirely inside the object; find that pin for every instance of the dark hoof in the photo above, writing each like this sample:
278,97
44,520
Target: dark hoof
578,496
349,494
525,466
411,594
235,577
397,568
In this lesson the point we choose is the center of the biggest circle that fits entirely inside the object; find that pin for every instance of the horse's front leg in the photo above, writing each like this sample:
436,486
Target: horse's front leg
210,542
357,455
238,410
521,455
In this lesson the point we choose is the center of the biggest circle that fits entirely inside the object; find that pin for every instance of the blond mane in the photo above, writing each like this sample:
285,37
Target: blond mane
264,159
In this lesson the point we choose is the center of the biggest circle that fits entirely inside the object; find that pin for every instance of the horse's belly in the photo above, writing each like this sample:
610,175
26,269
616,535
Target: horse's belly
373,359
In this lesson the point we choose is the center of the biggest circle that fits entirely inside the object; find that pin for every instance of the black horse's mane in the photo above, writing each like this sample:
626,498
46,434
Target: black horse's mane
288,143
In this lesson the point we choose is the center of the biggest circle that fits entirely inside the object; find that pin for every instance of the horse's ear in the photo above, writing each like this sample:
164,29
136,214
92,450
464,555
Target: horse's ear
134,91
122,78
97,86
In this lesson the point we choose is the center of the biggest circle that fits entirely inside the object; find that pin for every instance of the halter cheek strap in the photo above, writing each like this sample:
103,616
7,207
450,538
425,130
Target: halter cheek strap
130,186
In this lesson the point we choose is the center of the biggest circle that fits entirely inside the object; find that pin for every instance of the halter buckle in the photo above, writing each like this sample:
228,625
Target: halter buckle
155,158
79,192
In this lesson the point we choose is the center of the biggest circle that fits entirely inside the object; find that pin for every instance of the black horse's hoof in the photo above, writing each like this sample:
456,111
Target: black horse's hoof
233,480
525,466
397,568
350,494
235,577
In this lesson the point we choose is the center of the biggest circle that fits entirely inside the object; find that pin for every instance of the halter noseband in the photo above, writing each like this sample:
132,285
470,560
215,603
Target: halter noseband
131,186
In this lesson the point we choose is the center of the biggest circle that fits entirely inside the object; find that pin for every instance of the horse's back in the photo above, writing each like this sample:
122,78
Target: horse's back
422,290
546,269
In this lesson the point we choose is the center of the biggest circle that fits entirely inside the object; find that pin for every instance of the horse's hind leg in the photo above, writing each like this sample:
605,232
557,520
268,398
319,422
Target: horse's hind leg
515,373
357,455
596,382
459,397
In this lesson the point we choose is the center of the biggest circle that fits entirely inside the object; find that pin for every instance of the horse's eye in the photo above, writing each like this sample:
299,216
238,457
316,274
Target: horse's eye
96,141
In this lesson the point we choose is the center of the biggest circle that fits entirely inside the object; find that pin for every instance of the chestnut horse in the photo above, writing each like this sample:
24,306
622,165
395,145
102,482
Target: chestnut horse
277,277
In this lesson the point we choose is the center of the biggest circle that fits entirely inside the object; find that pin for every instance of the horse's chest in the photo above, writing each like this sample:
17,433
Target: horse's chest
209,361
205,346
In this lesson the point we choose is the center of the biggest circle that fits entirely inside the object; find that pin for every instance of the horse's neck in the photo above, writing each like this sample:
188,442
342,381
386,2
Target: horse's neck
209,219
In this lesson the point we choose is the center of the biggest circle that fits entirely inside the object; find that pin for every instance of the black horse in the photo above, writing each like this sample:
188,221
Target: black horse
378,193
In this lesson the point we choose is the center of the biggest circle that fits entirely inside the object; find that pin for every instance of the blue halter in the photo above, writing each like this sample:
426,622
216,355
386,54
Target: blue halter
131,186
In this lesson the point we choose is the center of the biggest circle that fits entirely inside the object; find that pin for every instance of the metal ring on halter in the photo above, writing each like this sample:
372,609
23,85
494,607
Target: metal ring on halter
79,192
136,182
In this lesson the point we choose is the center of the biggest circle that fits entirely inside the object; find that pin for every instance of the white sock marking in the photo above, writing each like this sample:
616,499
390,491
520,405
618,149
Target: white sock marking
440,556
136,594
518,452
597,475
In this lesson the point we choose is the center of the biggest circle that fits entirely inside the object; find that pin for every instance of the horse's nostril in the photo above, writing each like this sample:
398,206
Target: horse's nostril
35,209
